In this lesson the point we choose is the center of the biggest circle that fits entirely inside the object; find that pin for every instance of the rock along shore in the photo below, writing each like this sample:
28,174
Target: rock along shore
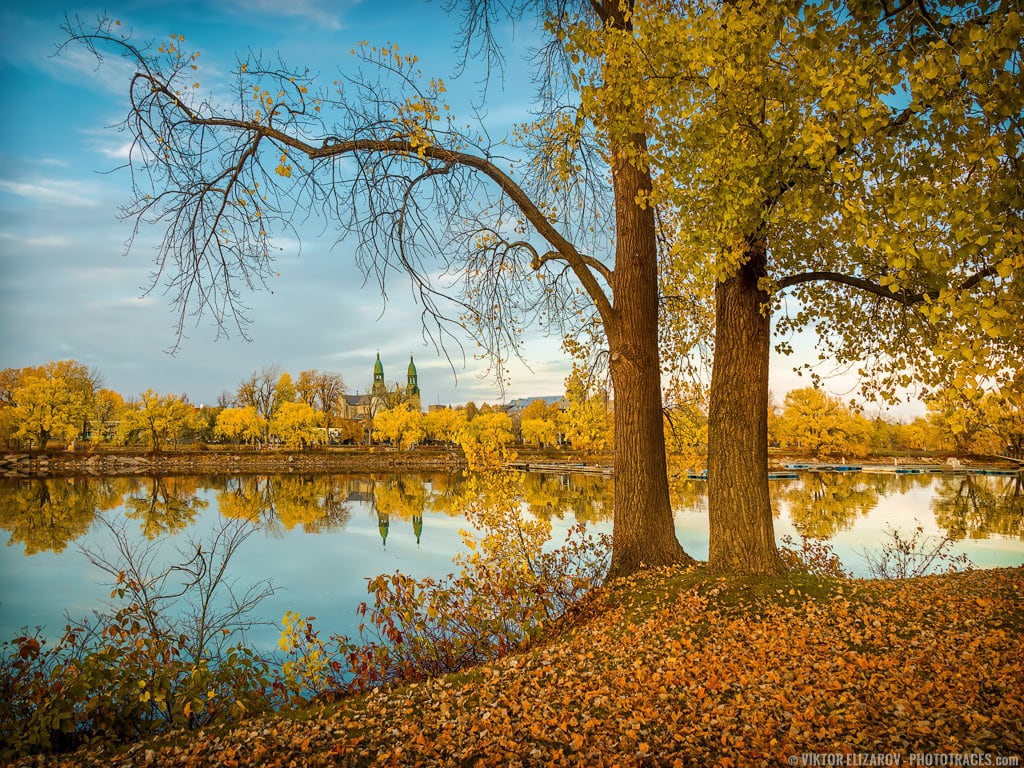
87,463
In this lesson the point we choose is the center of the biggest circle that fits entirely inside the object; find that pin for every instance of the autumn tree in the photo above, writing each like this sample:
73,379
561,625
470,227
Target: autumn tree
852,168
284,392
442,425
538,423
814,421
258,391
585,421
541,431
295,424
106,413
243,425
402,425
322,390
53,401
487,440
568,233
157,420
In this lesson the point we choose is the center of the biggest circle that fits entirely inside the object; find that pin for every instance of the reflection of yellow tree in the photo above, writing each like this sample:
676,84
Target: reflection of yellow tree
977,507
316,502
825,503
588,498
165,504
687,494
247,498
45,515
447,494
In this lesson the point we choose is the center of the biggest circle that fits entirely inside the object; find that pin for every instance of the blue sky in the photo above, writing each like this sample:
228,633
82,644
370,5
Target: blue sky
68,291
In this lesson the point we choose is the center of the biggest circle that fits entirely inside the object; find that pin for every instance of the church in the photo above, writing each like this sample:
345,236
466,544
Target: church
365,406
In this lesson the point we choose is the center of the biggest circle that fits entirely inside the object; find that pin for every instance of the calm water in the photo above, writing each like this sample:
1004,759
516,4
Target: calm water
318,538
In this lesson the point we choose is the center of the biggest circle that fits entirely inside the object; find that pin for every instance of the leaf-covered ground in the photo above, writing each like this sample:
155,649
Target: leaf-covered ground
676,668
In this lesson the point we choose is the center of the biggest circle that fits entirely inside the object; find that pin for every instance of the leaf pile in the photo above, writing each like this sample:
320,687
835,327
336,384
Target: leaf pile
674,668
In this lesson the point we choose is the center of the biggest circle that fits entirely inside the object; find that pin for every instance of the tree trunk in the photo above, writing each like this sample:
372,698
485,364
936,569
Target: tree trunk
742,534
644,530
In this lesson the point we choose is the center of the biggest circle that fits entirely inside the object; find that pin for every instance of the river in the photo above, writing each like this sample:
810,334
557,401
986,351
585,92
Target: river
316,539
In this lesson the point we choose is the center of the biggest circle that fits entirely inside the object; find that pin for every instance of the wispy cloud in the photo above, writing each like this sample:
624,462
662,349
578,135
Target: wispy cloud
45,241
55,192
324,14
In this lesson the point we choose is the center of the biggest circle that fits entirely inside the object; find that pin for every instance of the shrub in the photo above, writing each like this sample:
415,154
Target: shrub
904,556
128,673
814,557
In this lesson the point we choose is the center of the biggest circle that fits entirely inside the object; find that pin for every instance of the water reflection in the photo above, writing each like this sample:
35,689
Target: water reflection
826,503
164,505
316,503
968,506
46,515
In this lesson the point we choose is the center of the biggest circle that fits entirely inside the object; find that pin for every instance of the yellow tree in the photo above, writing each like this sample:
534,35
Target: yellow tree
847,167
156,420
487,439
242,425
296,424
816,422
322,390
585,421
50,405
443,424
538,423
106,413
402,425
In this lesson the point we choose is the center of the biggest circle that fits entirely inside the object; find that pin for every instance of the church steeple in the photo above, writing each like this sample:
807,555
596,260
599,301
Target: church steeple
379,387
412,387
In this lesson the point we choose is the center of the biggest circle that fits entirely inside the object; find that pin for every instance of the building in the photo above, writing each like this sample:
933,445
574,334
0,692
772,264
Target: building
359,407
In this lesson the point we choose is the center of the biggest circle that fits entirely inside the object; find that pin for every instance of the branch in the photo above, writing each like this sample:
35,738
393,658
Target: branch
870,286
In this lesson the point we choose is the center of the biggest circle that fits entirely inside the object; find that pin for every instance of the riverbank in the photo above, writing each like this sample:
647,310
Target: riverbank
235,460
678,668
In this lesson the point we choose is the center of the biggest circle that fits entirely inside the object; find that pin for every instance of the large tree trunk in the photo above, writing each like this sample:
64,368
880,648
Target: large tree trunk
742,535
644,530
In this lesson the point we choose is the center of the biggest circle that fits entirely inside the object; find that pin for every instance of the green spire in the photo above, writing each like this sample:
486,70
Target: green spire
378,377
413,387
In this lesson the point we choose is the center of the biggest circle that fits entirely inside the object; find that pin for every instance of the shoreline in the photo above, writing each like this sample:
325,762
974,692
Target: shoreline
237,461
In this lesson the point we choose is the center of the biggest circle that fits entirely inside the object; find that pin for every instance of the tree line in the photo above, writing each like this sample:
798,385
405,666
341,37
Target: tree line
64,402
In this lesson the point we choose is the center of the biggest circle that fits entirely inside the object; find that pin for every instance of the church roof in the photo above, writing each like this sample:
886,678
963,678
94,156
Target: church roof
412,367
378,367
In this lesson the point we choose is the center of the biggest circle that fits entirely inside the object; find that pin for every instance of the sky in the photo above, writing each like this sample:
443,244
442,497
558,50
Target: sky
68,290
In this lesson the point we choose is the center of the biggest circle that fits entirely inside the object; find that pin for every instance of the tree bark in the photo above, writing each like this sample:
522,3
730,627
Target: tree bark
742,534
644,529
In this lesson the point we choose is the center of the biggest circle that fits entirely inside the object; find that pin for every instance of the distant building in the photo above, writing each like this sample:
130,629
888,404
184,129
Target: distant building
360,407
520,403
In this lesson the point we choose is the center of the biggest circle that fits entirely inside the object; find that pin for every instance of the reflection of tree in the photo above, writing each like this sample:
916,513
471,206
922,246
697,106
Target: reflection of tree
165,505
967,506
45,515
316,502
588,498
687,494
826,503
446,493
248,497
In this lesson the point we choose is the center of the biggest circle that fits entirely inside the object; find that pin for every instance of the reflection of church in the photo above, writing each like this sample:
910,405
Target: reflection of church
365,406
